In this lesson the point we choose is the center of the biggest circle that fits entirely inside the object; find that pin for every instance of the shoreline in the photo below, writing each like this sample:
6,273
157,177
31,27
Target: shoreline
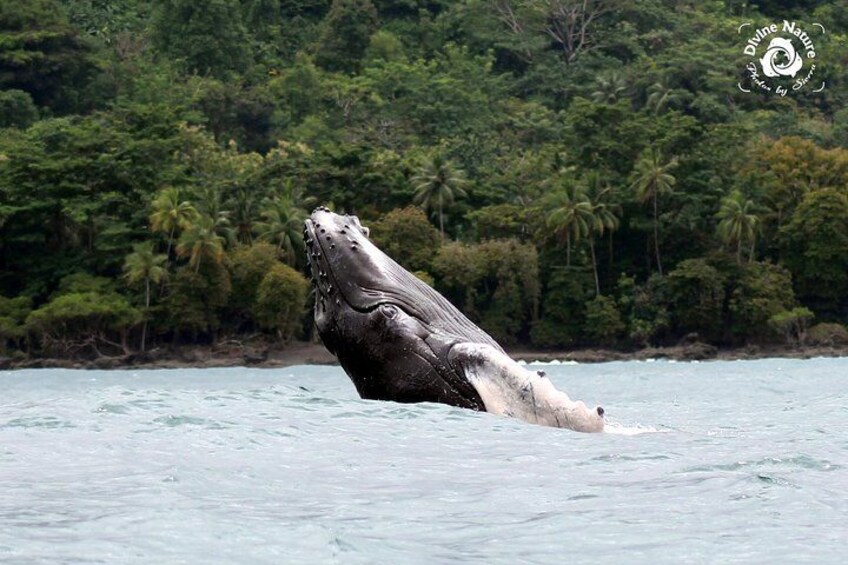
304,353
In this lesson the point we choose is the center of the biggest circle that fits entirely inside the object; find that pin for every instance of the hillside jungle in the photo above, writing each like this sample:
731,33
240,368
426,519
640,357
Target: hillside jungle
569,173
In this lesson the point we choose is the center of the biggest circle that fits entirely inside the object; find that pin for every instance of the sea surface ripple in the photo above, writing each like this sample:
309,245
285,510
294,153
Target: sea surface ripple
720,462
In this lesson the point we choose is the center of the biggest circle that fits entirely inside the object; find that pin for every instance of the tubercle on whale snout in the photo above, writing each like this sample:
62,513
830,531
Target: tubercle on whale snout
325,234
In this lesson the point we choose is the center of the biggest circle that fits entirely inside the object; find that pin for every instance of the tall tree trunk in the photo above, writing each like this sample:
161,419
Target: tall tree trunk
739,251
441,216
567,249
657,235
124,345
146,310
595,266
170,242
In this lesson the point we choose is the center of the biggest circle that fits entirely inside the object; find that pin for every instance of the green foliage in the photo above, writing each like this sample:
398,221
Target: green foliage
17,109
563,309
828,334
282,223
248,266
200,243
495,282
195,300
437,183
170,213
426,277
792,324
43,55
571,217
84,314
280,301
407,237
13,315
145,268
500,221
73,194
816,247
591,140
738,224
645,308
603,320
696,297
82,283
347,30
459,271
652,179
207,38
761,291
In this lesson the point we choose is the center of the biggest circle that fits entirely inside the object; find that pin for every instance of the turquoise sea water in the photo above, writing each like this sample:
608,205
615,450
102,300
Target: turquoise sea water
721,462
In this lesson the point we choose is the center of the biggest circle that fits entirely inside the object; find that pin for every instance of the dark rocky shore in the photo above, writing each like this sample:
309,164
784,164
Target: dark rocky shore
233,354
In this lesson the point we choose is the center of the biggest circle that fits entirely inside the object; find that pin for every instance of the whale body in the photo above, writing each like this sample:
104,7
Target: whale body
398,339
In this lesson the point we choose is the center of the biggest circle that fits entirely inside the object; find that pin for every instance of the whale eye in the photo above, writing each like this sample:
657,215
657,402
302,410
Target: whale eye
389,311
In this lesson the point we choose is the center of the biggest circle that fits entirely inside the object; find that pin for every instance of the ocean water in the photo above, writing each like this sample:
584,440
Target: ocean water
719,462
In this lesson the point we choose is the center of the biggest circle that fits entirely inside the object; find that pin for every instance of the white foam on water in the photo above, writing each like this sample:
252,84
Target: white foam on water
551,362
616,428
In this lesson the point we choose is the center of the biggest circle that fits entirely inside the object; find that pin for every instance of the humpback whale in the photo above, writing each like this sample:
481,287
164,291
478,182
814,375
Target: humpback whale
400,340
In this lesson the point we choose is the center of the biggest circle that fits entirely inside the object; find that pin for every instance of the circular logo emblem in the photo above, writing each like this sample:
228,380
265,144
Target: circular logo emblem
781,58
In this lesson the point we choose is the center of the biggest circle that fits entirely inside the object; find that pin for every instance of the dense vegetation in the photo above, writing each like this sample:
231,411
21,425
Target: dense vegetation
568,173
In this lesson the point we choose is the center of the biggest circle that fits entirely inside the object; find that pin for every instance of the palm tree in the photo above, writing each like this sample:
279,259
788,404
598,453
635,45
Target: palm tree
209,204
171,213
652,180
143,265
570,216
282,223
244,216
436,184
738,223
605,217
661,96
200,241
609,88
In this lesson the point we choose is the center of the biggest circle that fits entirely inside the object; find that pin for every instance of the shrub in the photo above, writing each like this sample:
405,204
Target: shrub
792,324
499,221
644,308
407,237
495,283
17,109
280,300
13,315
195,299
426,277
72,322
603,320
696,292
248,266
563,308
828,334
761,291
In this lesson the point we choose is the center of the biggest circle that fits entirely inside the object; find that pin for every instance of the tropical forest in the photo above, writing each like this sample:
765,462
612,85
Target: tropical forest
569,173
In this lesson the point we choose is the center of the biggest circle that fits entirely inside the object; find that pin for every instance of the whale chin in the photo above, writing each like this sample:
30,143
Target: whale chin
398,339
